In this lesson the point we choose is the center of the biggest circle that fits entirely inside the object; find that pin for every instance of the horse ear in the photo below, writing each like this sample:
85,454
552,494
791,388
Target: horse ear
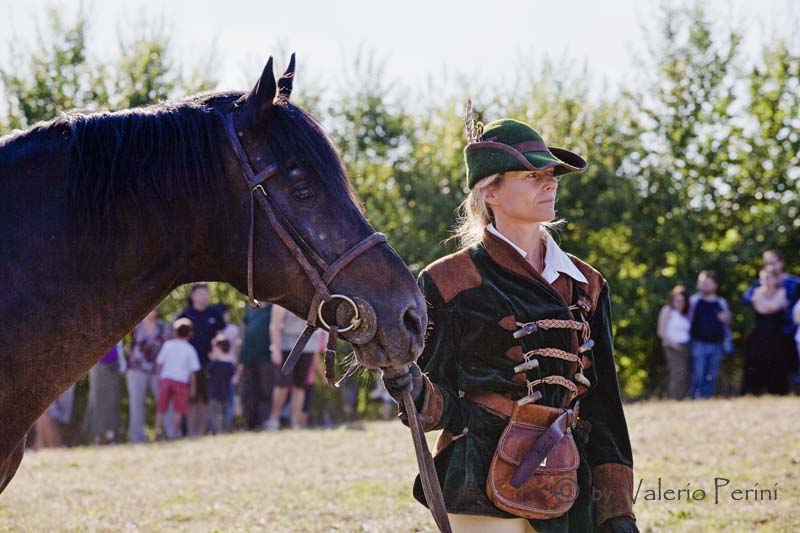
263,94
285,82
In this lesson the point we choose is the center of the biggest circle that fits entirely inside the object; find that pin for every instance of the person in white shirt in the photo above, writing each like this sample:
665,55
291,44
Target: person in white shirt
177,363
673,330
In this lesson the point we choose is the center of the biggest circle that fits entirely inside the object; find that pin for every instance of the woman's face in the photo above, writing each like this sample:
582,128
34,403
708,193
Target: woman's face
525,196
770,280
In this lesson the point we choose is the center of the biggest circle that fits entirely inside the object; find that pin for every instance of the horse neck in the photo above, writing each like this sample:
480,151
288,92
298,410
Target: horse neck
71,294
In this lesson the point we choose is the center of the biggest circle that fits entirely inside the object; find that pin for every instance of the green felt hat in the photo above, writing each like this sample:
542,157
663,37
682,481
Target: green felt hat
508,144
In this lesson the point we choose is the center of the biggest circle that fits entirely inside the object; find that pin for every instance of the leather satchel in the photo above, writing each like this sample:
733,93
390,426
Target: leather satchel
552,489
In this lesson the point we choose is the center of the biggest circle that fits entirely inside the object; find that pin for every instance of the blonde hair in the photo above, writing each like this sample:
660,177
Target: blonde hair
474,214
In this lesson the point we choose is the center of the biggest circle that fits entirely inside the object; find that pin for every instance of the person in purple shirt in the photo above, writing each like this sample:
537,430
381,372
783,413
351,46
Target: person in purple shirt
148,336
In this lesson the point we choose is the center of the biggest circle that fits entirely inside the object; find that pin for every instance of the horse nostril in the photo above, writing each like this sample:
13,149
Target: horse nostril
413,322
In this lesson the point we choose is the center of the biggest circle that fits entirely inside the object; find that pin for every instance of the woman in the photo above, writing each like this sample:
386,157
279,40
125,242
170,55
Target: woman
768,357
520,333
148,337
673,330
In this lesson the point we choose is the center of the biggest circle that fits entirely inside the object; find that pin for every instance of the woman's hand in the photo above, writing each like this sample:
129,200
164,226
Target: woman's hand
400,380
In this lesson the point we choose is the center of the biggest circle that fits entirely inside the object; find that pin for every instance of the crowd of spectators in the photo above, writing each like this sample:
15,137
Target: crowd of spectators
205,375
696,334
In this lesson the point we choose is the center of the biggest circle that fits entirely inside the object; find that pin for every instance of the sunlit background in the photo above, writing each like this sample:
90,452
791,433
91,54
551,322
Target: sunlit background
687,112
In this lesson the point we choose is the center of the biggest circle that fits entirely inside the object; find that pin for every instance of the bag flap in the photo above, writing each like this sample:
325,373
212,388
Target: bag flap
519,437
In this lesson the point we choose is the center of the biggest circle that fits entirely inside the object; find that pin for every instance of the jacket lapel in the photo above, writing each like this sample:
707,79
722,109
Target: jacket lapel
507,257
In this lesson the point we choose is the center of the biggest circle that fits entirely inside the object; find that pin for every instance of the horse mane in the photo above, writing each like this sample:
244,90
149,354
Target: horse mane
171,152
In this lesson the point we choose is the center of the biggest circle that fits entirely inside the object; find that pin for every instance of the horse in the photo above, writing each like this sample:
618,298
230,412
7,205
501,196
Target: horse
104,214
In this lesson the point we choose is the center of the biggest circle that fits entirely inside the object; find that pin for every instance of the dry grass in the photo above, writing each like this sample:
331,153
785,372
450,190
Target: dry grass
360,480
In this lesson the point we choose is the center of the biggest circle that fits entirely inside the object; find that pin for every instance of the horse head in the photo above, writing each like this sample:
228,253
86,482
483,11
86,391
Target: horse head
310,248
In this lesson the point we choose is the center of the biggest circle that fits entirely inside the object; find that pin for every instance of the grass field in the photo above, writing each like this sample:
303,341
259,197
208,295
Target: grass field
344,480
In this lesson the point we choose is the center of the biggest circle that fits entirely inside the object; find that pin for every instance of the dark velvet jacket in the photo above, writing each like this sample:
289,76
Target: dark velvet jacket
476,298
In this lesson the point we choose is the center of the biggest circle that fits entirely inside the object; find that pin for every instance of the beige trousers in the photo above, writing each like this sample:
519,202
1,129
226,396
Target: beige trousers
469,523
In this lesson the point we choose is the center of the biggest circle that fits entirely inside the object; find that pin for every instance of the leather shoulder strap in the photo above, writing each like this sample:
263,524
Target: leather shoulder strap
454,273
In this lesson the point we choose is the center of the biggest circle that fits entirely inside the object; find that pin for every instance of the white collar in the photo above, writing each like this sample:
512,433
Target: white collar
496,232
555,260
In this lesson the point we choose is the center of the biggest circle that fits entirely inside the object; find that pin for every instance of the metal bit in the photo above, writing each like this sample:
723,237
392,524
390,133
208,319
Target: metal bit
526,329
527,365
530,398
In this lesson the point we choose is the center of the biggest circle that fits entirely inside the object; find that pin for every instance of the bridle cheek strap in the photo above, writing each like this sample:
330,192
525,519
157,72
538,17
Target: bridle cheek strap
255,183
282,227
250,238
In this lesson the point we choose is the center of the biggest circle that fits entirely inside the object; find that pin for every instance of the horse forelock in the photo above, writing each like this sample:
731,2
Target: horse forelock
296,136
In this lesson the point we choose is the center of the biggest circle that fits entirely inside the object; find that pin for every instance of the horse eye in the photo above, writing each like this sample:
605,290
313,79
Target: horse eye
304,193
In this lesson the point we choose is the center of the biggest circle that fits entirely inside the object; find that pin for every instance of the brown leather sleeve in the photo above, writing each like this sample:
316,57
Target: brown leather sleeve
432,406
454,274
613,485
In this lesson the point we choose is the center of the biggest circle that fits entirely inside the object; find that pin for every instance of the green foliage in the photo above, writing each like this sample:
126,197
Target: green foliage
58,73
695,167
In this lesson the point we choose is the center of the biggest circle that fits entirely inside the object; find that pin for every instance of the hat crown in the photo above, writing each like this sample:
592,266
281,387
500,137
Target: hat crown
507,145
509,131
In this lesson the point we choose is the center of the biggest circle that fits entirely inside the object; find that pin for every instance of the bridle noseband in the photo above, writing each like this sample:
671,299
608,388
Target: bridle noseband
320,276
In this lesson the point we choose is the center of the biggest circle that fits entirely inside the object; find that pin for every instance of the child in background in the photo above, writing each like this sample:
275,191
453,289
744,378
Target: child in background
176,365
221,373
233,333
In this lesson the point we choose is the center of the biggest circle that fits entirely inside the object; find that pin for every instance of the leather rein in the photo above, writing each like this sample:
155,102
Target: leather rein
320,276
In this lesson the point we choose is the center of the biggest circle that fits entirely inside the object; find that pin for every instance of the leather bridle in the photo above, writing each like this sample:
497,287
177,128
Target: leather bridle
320,276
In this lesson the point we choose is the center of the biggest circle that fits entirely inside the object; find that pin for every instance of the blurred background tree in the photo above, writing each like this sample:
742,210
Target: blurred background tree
693,166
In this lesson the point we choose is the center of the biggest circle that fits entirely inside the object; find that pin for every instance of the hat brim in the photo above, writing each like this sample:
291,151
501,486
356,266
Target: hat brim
564,161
